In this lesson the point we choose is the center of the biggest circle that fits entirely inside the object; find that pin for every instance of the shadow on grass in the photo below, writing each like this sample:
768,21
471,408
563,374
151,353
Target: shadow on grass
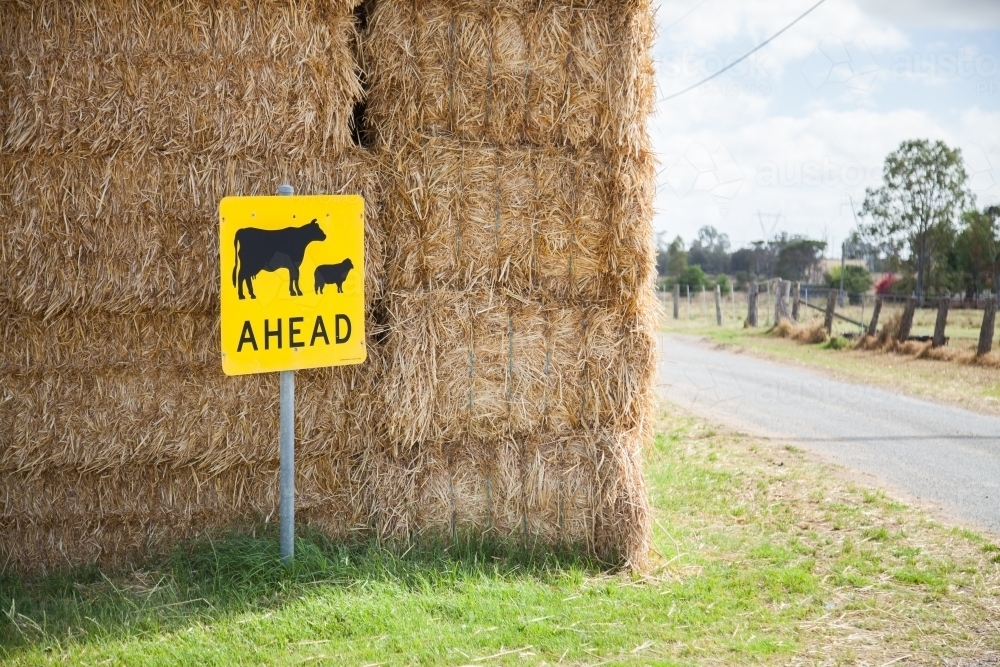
237,573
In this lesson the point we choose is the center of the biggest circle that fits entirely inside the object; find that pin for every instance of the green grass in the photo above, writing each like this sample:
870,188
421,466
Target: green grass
752,556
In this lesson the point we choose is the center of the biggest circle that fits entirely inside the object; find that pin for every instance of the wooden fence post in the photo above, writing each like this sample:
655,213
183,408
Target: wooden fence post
781,301
942,320
873,325
986,332
752,304
796,291
677,301
767,304
831,303
907,322
718,305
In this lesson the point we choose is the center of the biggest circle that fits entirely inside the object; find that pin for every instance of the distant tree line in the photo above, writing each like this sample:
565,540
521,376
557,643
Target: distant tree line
708,260
921,228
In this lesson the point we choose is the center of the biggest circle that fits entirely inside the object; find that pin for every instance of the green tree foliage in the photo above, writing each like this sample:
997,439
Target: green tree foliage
671,260
977,250
692,276
922,195
710,251
798,258
742,261
857,280
677,261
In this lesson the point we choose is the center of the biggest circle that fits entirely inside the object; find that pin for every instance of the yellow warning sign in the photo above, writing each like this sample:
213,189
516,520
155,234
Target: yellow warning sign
292,285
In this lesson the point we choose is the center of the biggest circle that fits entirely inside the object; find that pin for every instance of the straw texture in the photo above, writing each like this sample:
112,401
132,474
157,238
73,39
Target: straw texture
508,187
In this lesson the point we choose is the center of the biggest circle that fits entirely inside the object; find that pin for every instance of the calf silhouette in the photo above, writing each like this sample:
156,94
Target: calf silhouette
269,250
334,274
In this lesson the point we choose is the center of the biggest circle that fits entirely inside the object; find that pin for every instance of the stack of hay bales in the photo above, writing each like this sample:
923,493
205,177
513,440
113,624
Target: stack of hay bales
122,124
519,354
508,189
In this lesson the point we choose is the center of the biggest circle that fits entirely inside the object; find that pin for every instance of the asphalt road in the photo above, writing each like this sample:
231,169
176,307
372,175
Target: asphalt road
943,456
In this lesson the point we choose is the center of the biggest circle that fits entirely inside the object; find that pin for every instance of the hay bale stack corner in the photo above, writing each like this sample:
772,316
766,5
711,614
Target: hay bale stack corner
501,150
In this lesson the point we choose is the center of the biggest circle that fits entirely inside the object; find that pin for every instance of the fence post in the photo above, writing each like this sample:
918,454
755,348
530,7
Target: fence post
752,304
873,325
907,322
688,289
986,332
796,291
939,324
781,301
767,304
861,329
831,303
718,305
677,301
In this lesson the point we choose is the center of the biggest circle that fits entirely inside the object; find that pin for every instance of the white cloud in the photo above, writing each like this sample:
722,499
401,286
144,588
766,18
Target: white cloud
961,14
800,131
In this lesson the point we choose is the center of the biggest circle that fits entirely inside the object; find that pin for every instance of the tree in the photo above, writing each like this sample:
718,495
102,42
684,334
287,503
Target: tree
857,281
710,250
742,261
677,261
977,249
923,191
694,277
799,258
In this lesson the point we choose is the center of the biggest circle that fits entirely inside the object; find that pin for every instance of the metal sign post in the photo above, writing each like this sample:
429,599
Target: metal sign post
286,450
291,296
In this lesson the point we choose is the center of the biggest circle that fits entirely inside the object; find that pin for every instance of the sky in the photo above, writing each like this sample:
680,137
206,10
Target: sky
790,138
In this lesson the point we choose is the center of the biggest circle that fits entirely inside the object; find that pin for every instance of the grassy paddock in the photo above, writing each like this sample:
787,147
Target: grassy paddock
763,557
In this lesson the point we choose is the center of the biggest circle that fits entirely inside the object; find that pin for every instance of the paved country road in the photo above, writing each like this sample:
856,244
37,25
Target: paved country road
941,455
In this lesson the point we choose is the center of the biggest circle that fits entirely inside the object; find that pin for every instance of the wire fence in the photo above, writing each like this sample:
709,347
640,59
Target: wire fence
696,308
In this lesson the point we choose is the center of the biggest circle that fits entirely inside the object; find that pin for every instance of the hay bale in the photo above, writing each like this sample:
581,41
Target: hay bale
510,380
512,72
131,232
103,419
105,517
567,223
208,80
466,217
460,363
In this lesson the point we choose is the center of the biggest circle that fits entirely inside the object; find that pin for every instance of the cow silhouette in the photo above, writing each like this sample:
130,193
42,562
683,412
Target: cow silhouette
333,274
272,249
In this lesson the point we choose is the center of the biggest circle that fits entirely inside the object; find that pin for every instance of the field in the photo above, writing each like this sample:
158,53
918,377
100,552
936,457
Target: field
966,385
762,557
699,313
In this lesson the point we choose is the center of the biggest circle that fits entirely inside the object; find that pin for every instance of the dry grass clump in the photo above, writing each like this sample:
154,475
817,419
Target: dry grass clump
783,329
801,333
813,334
886,341
509,385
